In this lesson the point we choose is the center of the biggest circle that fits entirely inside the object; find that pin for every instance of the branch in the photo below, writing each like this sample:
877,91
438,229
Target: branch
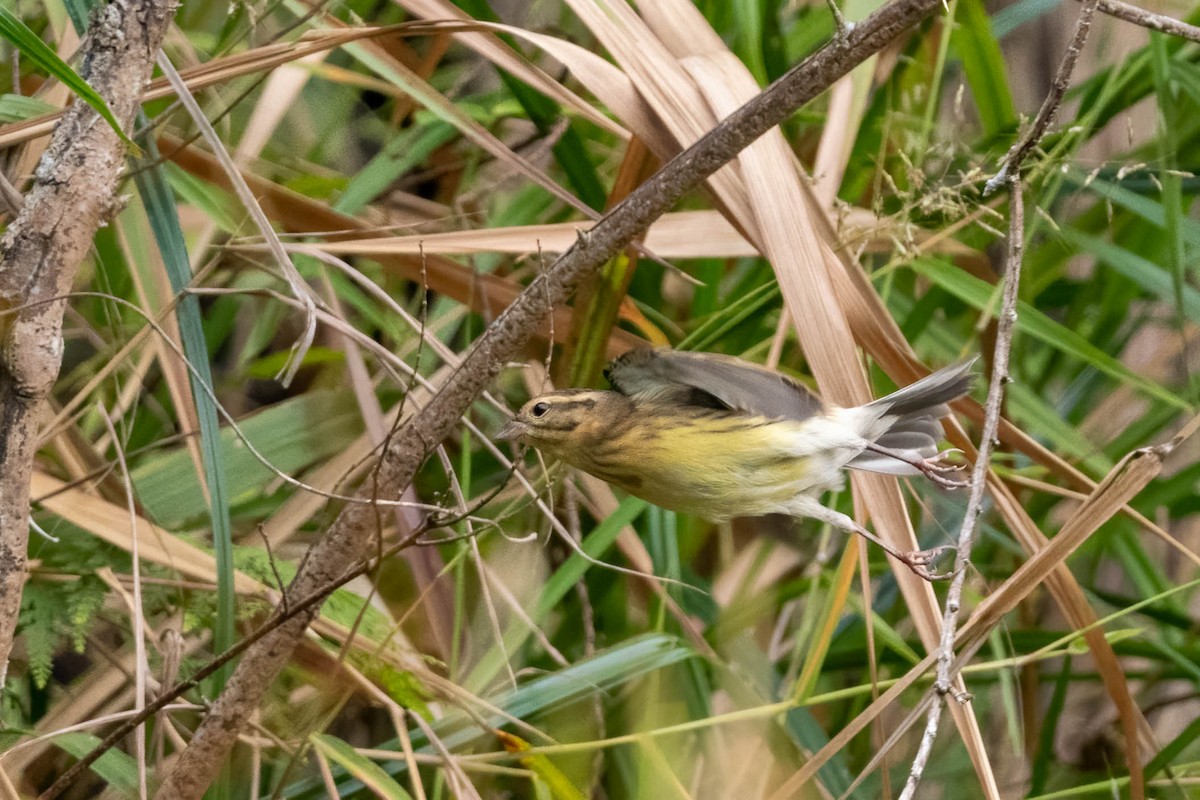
1049,110
279,615
1010,173
966,537
71,196
351,531
1148,19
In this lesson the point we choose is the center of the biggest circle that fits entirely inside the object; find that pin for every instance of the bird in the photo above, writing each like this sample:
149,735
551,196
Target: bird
718,437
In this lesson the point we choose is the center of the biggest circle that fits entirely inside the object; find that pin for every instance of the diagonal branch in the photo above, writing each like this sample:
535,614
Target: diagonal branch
1010,173
352,530
1000,376
1015,158
1149,19
40,253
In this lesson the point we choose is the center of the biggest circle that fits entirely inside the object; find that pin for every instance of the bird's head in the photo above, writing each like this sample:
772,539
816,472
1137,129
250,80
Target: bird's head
557,421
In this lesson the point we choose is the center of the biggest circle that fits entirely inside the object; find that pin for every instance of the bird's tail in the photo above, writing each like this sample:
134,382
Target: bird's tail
915,413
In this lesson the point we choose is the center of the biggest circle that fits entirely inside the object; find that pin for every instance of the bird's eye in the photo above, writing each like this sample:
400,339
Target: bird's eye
540,409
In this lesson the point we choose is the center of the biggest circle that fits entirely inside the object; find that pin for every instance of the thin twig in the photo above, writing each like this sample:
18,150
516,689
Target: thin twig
141,665
1148,19
501,342
1010,173
840,25
1049,110
966,537
295,280
224,413
281,614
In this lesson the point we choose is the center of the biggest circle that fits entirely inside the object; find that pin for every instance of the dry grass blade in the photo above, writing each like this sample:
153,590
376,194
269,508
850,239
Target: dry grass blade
41,253
634,550
500,343
426,188
683,234
1128,478
479,37
111,523
103,697
690,89
155,298
483,292
1120,486
291,275
391,69
222,70
881,337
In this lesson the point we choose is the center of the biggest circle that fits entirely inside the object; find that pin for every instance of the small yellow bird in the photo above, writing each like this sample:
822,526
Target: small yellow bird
719,437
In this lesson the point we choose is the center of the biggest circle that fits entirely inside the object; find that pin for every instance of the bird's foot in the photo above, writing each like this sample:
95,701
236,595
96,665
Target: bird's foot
938,469
919,561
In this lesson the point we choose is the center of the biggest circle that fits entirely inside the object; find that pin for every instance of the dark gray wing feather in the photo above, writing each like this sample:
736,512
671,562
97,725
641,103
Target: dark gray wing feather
710,380
917,410
928,396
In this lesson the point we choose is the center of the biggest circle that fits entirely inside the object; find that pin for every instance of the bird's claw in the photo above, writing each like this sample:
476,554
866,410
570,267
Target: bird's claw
938,463
919,562
936,468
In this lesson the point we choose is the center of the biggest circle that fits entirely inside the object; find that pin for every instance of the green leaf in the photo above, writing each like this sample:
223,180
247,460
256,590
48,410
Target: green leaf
729,316
1138,205
1008,19
984,67
1173,748
216,204
1032,322
1049,726
400,156
601,673
595,544
1155,280
117,768
30,44
163,216
42,609
371,774
291,435
560,785
18,107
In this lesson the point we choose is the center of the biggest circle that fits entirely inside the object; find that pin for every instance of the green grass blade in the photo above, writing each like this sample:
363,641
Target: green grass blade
604,672
1032,322
18,34
985,69
117,768
366,771
164,221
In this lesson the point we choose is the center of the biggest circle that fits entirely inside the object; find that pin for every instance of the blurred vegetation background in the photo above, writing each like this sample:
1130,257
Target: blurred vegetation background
561,641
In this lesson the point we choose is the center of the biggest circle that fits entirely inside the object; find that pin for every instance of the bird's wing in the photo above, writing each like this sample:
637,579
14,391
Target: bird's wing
928,396
710,380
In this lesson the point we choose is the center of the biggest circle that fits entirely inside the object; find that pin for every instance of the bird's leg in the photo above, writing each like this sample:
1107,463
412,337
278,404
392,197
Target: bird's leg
918,561
935,467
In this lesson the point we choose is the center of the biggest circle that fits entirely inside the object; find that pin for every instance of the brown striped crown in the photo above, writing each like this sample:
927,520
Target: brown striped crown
557,421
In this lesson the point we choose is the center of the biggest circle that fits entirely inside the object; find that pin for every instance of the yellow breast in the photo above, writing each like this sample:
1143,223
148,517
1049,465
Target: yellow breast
715,464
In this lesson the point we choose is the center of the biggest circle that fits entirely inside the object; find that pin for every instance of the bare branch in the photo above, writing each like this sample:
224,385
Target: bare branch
1011,173
40,254
285,611
196,766
1049,110
1148,19
966,536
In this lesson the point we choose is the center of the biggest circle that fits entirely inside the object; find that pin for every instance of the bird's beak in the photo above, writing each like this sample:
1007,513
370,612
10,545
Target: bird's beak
510,432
